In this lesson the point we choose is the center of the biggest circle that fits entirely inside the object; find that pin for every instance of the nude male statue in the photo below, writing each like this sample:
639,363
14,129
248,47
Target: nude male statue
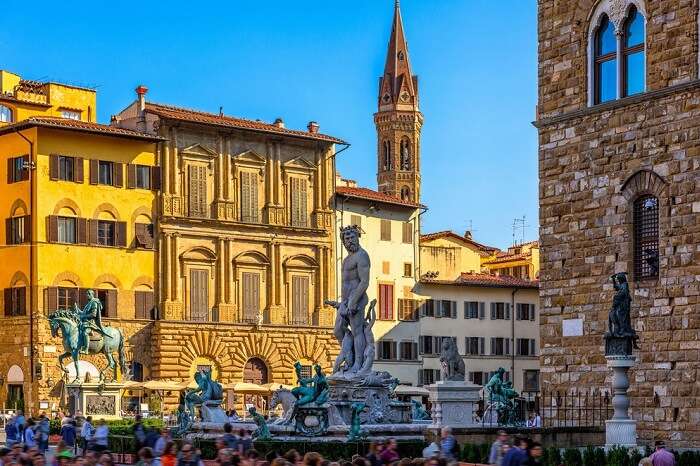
355,280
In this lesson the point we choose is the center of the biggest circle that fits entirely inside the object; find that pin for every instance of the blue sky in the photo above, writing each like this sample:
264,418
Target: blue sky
320,60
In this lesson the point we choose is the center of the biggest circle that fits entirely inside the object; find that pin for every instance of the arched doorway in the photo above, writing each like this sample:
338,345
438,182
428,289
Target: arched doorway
255,371
15,392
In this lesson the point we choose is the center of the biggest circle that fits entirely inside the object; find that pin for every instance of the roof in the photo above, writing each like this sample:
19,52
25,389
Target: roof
77,125
196,116
505,257
453,235
485,280
372,195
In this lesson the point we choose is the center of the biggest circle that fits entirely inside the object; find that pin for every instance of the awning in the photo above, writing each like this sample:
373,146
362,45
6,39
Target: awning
132,385
408,390
274,386
165,385
247,388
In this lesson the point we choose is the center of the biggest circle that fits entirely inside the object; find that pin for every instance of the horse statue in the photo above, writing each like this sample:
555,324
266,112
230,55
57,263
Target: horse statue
287,399
67,321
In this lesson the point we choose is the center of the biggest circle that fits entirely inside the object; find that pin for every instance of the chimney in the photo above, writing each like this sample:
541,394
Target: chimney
279,122
313,127
141,98
468,234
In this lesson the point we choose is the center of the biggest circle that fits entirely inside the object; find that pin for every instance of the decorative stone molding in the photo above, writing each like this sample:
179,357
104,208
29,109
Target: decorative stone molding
67,276
643,182
66,203
106,207
18,208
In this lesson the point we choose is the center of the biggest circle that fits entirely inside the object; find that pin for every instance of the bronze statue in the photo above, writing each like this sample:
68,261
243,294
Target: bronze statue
90,319
619,320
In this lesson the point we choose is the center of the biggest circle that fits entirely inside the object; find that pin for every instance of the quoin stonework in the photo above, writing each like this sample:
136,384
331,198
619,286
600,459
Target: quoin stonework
619,165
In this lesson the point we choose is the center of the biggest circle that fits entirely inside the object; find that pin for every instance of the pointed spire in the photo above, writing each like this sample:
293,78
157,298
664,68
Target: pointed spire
397,69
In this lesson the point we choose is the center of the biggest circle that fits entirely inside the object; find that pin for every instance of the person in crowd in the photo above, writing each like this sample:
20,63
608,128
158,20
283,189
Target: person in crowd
11,432
534,454
65,457
646,462
496,452
29,437
101,436
245,442
312,459
4,455
86,433
159,447
146,457
169,456
139,432
68,434
449,448
105,460
374,454
230,438
188,456
390,453
225,457
43,430
537,420
662,457
21,423
517,455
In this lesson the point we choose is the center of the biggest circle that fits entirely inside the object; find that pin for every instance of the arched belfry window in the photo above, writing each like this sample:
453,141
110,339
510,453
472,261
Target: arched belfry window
605,62
633,53
386,156
406,193
617,57
646,237
405,154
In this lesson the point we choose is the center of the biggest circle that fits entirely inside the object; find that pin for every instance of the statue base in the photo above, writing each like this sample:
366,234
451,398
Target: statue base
381,408
618,346
621,429
311,420
101,401
454,403
211,412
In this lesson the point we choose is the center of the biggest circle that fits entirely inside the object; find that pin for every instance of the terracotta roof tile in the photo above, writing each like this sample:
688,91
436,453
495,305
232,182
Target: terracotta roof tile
196,116
372,195
485,280
77,125
505,257
451,234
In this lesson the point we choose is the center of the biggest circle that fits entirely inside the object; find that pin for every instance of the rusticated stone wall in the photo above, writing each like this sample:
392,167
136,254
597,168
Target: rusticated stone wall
593,163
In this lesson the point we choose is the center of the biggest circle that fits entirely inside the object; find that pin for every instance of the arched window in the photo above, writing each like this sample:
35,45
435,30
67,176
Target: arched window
405,154
386,157
406,193
633,53
605,59
646,237
5,114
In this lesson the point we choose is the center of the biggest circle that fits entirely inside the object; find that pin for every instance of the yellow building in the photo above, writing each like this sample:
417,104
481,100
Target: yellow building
246,248
78,201
520,261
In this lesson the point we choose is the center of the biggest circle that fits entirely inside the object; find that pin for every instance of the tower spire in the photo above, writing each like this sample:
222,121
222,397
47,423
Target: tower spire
398,76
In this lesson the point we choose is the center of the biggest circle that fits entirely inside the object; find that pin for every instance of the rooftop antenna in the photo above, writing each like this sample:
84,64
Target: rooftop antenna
519,224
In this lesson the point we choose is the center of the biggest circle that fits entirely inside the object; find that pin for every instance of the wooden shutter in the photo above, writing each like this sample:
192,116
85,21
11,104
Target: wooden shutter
94,171
393,351
81,225
50,299
9,304
356,220
532,347
493,345
53,167
482,345
118,174
300,299
22,301
10,170
507,311
139,306
110,303
421,344
199,295
298,201
386,302
92,231
251,295
245,196
130,176
518,311
407,233
493,311
9,237
155,178
482,311
24,174
385,226
52,229
253,208
506,344
453,309
27,228
78,175
532,312
120,234
198,191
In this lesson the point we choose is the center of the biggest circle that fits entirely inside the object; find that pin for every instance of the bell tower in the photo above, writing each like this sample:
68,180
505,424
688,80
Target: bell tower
398,120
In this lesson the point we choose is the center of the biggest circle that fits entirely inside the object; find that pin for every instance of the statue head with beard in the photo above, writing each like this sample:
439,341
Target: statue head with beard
350,236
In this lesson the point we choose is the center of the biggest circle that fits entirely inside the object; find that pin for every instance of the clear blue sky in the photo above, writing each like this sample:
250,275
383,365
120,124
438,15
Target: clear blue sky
320,60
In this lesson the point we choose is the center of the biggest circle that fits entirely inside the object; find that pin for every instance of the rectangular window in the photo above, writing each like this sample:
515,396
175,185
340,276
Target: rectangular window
428,376
70,114
108,298
429,345
18,230
531,380
16,170
106,233
251,296
199,295
356,220
66,297
250,211
386,302
477,378
144,235
198,205
525,311
386,350
143,176
448,309
408,351
428,308
15,301
526,347
105,173
407,233
500,346
385,230
66,167
67,230
407,269
408,310
300,300
306,371
144,305
473,347
500,311
471,309
298,202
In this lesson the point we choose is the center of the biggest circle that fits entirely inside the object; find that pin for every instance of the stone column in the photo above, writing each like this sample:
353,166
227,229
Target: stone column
621,429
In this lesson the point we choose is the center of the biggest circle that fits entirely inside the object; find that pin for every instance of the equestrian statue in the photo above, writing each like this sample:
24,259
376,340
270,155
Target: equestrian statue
83,333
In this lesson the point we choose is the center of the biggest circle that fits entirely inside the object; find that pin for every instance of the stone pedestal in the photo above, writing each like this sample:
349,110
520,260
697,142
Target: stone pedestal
621,429
101,401
381,408
454,403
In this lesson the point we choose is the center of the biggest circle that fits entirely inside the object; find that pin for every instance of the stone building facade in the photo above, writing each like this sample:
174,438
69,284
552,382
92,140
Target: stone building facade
619,166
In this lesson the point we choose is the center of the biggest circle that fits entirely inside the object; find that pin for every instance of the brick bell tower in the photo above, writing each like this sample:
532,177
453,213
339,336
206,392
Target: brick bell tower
398,120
